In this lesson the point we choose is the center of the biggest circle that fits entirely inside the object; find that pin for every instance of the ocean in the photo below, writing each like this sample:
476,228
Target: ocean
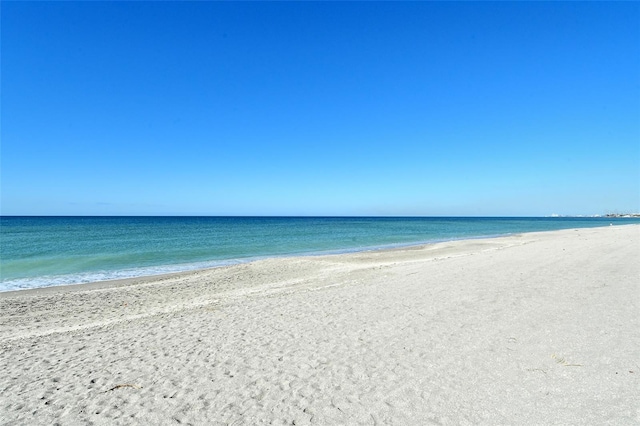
48,251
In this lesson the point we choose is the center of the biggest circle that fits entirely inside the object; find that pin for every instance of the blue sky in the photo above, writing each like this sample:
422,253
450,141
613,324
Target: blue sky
286,108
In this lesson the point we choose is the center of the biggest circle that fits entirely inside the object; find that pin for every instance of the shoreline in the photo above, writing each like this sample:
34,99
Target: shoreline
118,282
533,328
132,258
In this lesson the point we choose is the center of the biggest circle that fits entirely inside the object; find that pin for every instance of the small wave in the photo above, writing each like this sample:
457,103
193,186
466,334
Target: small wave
96,276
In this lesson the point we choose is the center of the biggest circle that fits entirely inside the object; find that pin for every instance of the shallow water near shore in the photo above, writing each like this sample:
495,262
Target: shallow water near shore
45,251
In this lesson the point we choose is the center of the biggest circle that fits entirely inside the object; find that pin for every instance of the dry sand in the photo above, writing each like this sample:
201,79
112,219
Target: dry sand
539,328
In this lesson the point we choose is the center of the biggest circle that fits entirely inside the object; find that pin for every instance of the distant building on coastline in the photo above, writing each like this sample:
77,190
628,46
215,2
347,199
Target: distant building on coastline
622,215
610,215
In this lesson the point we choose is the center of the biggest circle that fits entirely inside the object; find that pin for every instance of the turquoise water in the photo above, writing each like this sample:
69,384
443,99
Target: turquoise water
46,251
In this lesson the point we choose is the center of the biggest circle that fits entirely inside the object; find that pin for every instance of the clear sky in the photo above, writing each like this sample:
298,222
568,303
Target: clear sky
288,108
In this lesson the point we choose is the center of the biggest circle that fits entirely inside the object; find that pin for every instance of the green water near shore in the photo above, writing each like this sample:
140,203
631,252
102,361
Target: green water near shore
44,251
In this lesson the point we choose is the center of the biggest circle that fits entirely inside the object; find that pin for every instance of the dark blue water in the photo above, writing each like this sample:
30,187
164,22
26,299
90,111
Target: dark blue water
44,251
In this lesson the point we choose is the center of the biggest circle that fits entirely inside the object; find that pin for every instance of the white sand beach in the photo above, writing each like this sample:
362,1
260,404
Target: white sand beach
532,329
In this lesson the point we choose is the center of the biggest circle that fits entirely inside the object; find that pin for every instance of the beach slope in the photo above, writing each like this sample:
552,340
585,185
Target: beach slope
538,328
